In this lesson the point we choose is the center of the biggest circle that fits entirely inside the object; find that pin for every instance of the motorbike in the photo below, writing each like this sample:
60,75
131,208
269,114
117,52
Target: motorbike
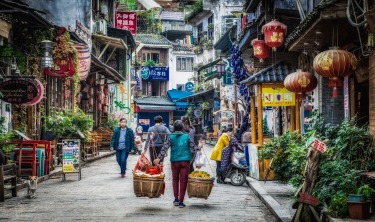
237,169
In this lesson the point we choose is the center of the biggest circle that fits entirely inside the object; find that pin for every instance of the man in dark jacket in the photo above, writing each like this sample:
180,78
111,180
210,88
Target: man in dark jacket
156,137
123,142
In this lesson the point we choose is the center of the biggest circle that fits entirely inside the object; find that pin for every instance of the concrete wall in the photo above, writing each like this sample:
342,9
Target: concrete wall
64,13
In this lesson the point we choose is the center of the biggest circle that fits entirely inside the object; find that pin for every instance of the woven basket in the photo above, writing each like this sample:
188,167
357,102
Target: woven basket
148,186
199,188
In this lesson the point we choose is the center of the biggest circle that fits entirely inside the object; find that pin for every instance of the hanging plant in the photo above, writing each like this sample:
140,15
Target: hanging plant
206,106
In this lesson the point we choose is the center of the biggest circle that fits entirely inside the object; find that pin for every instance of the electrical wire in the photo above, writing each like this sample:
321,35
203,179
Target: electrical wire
363,9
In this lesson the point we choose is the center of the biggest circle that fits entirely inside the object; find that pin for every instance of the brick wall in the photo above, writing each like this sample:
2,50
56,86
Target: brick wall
372,94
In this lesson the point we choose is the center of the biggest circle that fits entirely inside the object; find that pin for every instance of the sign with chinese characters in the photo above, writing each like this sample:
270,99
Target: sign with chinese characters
189,86
19,91
308,199
71,156
83,33
319,145
127,21
155,73
277,95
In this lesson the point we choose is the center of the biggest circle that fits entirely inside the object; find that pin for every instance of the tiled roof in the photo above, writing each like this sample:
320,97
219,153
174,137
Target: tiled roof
273,74
308,21
181,48
152,39
154,100
175,16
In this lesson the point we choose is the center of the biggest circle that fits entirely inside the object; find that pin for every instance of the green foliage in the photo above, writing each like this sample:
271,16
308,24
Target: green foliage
366,191
289,153
266,130
339,206
6,137
195,10
149,63
65,124
190,111
111,123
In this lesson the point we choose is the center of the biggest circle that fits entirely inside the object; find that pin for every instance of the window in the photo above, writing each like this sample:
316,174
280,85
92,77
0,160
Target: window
151,56
154,88
180,87
184,64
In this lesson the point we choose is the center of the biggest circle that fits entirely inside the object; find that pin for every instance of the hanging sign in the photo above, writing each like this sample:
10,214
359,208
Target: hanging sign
155,73
19,91
40,94
126,21
277,95
189,86
319,145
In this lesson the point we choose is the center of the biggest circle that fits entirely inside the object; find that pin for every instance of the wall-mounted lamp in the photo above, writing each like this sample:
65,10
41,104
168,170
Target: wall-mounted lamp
220,68
47,60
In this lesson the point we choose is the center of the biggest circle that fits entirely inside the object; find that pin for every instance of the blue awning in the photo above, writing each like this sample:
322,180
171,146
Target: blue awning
183,105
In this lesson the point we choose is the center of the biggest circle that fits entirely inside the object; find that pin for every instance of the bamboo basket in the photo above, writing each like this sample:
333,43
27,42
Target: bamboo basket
151,187
199,188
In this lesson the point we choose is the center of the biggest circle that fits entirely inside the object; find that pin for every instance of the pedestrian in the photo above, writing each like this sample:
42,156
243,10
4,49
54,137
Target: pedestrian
156,137
188,128
217,151
181,150
123,142
3,159
227,154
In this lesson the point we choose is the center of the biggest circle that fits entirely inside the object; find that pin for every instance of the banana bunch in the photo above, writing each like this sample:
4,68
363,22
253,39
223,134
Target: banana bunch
197,174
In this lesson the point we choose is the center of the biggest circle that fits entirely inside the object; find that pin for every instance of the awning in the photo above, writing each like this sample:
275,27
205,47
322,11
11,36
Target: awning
204,95
110,41
109,72
183,105
225,42
153,107
149,4
123,34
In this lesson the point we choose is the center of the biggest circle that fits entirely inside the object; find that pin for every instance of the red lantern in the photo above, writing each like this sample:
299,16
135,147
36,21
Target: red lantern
105,109
335,64
300,83
91,101
99,106
67,94
261,50
91,91
274,34
99,87
100,97
91,80
106,90
105,101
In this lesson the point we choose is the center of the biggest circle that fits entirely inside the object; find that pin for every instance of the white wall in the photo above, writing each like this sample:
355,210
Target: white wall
178,77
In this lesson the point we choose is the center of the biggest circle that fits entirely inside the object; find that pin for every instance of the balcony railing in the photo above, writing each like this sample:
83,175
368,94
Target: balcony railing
169,27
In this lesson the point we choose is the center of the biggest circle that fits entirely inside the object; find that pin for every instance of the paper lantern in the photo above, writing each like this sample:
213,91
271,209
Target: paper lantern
99,87
91,101
300,83
106,90
261,50
274,34
99,107
100,97
67,94
105,109
91,91
335,64
105,101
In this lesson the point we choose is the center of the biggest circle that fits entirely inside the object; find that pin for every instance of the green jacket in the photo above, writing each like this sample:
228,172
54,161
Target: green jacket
181,147
129,139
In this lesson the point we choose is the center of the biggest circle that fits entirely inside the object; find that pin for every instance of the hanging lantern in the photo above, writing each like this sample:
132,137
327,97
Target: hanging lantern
274,34
106,90
99,87
99,107
91,80
300,83
335,64
91,91
261,50
67,94
105,101
91,101
100,97
105,109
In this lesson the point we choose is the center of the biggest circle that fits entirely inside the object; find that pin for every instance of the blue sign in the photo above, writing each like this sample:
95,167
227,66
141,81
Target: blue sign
155,73
189,86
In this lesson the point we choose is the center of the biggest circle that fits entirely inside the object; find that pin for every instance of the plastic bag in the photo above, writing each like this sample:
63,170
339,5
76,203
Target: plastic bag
199,161
142,164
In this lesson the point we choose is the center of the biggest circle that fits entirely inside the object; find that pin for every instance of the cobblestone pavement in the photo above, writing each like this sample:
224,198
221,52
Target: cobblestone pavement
102,195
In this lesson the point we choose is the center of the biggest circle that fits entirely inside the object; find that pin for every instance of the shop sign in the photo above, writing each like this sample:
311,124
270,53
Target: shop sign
308,199
126,21
277,95
319,145
228,79
155,73
83,33
18,91
189,86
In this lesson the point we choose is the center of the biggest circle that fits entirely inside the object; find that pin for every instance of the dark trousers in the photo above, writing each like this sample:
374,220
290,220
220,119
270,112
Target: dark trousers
219,175
180,172
154,153
122,157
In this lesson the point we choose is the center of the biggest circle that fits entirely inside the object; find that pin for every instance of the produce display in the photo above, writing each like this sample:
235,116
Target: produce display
198,174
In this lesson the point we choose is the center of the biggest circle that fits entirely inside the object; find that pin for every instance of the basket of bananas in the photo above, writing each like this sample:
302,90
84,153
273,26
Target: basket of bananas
199,184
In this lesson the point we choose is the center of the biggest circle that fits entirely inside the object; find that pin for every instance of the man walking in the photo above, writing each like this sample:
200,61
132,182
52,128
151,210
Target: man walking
156,137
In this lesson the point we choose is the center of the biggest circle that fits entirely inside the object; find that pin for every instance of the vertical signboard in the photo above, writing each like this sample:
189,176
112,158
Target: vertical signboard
127,21
71,156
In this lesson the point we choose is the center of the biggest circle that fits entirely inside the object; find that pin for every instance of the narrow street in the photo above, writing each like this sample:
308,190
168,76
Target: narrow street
102,195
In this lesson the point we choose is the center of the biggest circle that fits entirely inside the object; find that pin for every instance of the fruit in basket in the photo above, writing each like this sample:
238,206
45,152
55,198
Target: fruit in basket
197,174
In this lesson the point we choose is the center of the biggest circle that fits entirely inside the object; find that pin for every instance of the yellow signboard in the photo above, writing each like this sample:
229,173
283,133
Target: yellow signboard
277,95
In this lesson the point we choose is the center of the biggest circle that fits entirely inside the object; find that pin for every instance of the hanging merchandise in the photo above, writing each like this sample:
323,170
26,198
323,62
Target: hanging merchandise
274,34
335,64
91,101
106,90
261,50
91,91
300,83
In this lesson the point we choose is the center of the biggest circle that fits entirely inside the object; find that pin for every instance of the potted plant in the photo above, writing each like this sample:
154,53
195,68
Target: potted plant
360,207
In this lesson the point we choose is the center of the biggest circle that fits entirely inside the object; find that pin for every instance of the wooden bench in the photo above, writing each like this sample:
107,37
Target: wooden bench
104,137
91,147
8,180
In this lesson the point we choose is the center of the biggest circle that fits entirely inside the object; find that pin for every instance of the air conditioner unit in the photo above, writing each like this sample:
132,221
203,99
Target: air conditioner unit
180,41
101,27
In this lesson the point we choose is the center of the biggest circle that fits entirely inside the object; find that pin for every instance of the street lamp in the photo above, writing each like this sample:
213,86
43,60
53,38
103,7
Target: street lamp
220,68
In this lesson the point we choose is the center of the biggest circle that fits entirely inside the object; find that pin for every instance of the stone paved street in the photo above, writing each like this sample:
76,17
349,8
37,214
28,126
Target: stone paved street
102,195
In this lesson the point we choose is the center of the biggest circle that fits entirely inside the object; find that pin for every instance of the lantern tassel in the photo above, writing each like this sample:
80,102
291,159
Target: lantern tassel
334,93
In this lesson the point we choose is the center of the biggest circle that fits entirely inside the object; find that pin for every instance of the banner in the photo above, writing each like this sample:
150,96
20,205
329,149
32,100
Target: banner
277,95
126,21
155,73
